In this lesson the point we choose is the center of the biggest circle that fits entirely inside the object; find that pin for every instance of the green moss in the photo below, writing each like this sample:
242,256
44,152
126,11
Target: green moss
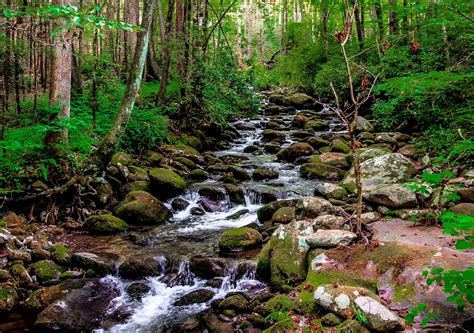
198,174
239,238
60,253
105,224
186,162
279,303
403,292
46,270
3,223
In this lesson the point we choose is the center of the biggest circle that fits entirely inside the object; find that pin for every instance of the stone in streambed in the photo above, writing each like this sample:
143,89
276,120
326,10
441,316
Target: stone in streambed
140,207
8,297
166,183
295,150
270,134
321,171
235,302
137,290
284,215
46,270
198,174
194,297
207,267
266,212
317,142
140,267
60,254
152,158
340,146
236,194
105,224
328,222
102,265
338,160
330,238
239,239
264,173
179,204
311,207
299,100
330,191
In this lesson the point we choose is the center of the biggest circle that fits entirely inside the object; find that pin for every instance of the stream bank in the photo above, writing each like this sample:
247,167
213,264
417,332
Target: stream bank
233,229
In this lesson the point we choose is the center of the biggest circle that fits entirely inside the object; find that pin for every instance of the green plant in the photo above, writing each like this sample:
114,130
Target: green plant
420,310
360,316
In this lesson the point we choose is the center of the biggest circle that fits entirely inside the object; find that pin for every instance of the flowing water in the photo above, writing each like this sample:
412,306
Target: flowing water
189,234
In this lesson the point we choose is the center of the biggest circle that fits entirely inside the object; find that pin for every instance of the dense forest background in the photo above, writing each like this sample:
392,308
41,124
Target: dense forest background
67,65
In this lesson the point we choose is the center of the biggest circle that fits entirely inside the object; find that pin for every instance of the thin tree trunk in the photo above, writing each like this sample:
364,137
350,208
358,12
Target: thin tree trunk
250,30
166,54
392,17
359,27
110,141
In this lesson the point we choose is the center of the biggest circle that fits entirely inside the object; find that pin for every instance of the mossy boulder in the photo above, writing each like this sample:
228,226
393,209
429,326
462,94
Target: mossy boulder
299,100
123,159
106,224
140,207
8,297
386,169
338,160
46,270
277,99
152,158
317,142
279,303
166,183
299,120
321,171
239,239
315,125
295,150
413,151
363,125
264,173
270,134
41,298
340,146
60,254
20,274
266,212
311,207
330,191
179,148
282,261
284,215
198,174
236,193
368,153
186,162
193,142
235,302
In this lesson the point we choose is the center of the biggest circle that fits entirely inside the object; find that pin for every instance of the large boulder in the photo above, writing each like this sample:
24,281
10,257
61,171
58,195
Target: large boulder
46,270
299,100
266,212
368,153
363,125
330,191
282,261
338,160
321,171
311,207
385,169
270,134
393,196
295,150
239,239
330,238
106,224
284,215
194,297
207,267
340,146
166,183
140,207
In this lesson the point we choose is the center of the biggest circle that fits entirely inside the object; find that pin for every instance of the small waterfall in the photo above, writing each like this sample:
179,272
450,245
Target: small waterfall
184,277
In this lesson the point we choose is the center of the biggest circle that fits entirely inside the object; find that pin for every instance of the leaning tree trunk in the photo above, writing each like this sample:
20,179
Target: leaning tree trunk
60,88
110,141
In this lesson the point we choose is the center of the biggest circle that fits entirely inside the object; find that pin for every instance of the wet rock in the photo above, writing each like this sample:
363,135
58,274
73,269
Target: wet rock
318,142
186,162
282,261
330,238
284,215
46,270
328,222
8,297
340,146
140,267
206,267
386,169
270,134
43,297
137,290
266,212
311,207
239,239
198,174
103,265
166,183
316,125
321,171
123,159
236,302
393,196
237,214
295,150
299,121
212,192
214,283
81,309
140,207
194,297
277,99
179,204
240,173
152,158
464,209
105,224
338,160
138,174
330,191
134,186
264,173
218,167
236,194
251,149
197,211
212,323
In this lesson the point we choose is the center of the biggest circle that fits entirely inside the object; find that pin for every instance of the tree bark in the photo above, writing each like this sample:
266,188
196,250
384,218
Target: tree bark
379,15
60,89
110,141
166,54
250,30
392,17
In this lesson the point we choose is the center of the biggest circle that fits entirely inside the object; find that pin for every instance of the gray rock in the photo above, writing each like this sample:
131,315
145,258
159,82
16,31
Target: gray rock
330,238
311,207
393,196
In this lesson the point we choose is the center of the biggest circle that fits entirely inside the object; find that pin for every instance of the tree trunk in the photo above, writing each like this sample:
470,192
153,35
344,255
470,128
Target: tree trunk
166,54
60,89
250,30
359,27
110,141
392,17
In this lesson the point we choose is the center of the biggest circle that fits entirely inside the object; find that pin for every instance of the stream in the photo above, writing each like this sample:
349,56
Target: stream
187,234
